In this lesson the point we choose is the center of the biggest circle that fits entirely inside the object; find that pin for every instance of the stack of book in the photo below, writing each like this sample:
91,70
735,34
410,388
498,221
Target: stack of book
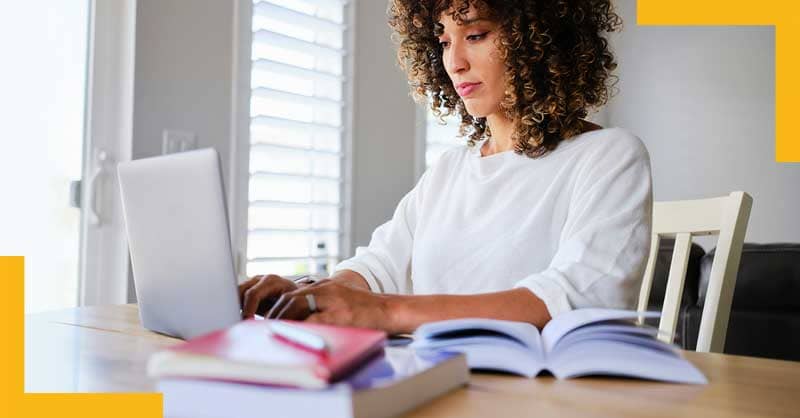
297,369
275,368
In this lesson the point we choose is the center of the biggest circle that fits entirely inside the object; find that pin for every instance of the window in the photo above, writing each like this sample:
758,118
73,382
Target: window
43,103
299,108
439,138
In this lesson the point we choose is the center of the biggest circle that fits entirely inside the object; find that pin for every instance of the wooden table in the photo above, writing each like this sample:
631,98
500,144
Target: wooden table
105,349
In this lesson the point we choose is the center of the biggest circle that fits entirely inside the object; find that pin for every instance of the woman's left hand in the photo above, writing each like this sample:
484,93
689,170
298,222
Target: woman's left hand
336,304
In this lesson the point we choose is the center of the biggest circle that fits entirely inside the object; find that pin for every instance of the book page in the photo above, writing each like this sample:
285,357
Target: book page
607,330
641,340
568,321
455,329
619,358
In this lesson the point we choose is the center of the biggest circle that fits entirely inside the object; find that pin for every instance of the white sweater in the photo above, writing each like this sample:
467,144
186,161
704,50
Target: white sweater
572,226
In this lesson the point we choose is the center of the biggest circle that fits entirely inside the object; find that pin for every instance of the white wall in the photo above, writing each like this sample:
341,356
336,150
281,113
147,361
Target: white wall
703,101
383,124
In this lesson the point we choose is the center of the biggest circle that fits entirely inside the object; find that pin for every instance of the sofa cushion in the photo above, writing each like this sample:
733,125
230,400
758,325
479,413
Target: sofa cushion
752,333
768,278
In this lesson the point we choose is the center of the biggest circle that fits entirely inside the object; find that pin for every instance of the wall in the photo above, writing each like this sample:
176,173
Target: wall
184,77
703,101
184,70
383,124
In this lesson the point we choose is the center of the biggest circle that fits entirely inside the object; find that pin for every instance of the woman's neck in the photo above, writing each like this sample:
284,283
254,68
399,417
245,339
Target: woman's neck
501,129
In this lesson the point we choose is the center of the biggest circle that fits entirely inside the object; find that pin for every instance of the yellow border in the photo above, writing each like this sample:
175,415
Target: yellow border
784,15
15,403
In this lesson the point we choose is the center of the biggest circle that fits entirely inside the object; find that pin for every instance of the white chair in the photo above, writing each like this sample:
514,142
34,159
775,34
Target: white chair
726,216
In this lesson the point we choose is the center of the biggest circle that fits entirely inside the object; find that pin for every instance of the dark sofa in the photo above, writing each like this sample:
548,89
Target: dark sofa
765,312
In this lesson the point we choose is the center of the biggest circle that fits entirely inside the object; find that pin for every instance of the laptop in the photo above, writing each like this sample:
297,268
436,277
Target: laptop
177,228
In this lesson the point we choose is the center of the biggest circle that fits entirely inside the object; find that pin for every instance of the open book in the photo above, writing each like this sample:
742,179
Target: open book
577,343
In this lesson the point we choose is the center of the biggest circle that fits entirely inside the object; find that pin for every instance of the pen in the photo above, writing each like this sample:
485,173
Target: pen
299,336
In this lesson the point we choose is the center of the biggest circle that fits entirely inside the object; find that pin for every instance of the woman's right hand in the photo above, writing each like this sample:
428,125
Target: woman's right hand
259,293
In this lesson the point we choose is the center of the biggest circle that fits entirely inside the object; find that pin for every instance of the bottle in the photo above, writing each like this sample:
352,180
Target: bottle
321,259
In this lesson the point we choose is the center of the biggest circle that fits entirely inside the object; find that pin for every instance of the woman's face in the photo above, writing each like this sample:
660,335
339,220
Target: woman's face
472,61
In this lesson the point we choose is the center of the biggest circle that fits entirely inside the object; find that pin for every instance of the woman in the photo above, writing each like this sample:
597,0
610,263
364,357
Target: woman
541,212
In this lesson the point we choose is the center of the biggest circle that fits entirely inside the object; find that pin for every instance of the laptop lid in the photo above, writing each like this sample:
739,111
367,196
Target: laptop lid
177,227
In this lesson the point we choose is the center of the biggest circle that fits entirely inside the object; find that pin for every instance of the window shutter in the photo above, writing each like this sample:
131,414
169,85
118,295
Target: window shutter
298,110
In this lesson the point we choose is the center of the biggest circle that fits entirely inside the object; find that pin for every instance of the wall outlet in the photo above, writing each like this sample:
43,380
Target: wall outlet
174,140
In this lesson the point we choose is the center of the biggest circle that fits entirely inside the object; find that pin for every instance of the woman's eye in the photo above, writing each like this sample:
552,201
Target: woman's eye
477,37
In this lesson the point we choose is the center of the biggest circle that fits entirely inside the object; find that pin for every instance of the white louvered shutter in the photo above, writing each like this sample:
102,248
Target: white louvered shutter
297,130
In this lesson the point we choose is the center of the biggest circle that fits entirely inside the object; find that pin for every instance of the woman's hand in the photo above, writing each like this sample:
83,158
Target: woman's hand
259,293
336,304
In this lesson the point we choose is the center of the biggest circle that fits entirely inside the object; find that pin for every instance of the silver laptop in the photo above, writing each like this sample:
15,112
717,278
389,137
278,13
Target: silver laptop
177,226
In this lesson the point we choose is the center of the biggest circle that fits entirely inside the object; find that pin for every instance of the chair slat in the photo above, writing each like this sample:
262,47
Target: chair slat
722,279
698,217
647,281
674,293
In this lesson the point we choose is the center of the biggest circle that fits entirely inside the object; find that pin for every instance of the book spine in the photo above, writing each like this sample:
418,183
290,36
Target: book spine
188,398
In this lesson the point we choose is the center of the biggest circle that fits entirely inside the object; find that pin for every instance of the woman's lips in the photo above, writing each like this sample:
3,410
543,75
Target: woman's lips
464,89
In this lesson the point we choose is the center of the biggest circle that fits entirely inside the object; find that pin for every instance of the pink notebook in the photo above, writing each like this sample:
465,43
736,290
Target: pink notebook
249,352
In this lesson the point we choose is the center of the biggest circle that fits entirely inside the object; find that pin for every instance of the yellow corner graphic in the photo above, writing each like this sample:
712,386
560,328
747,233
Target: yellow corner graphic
784,15
16,403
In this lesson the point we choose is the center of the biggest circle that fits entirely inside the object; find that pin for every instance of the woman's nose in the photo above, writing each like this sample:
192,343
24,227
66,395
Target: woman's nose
457,61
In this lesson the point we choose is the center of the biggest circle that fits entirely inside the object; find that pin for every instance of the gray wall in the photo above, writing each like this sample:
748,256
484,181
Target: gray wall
383,124
183,77
703,101
184,70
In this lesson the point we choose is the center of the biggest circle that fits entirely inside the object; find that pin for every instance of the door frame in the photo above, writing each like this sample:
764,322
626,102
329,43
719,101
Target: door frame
108,126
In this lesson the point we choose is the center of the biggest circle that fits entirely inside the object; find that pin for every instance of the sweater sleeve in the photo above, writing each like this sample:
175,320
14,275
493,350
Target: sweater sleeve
386,262
605,241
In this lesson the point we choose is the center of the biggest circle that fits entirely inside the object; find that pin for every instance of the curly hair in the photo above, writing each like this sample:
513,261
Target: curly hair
557,62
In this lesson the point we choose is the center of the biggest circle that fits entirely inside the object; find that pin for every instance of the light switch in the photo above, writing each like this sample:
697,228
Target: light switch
174,140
